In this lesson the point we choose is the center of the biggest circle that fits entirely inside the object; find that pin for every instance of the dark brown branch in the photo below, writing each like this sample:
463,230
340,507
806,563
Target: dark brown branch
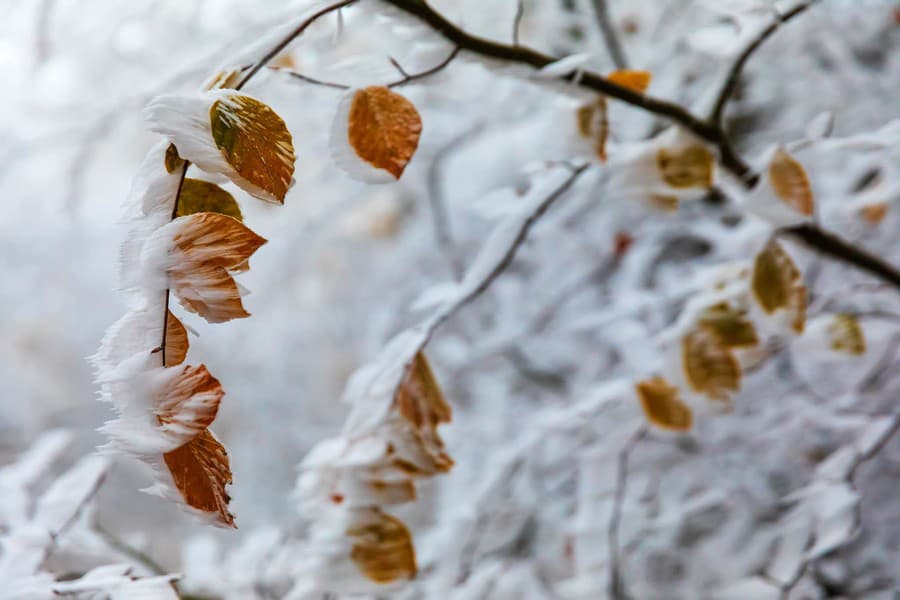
734,74
610,36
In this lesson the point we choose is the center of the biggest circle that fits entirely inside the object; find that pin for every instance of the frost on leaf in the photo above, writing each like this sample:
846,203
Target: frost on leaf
201,471
420,402
375,134
709,366
846,335
731,326
176,341
206,248
777,284
189,402
383,549
203,196
688,167
255,141
790,183
224,79
634,80
662,406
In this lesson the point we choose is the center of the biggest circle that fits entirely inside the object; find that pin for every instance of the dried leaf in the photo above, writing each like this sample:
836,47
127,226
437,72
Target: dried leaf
172,160
176,341
255,141
189,402
777,284
211,292
874,213
847,335
419,398
634,80
662,406
593,123
224,79
686,167
790,183
731,326
383,549
216,239
201,471
709,366
664,202
383,128
203,196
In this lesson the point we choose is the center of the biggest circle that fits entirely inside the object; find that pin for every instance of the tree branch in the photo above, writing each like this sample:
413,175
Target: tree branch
610,36
616,585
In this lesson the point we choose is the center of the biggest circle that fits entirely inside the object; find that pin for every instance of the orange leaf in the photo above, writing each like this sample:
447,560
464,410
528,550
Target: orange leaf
383,549
419,398
176,341
662,406
211,292
190,401
216,239
634,80
383,128
201,471
790,183
255,141
874,213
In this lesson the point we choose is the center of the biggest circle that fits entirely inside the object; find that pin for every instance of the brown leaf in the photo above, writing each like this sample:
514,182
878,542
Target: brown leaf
203,196
216,239
662,406
686,167
709,366
255,141
664,202
176,341
383,549
790,183
172,161
632,79
224,79
730,326
777,284
201,471
847,335
190,401
383,128
209,291
419,398
874,213
593,123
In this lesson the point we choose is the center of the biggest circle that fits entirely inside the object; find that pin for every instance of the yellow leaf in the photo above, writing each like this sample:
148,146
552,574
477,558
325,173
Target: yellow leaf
202,196
176,341
847,335
383,128
730,326
686,167
662,406
172,160
634,80
383,549
200,471
790,183
255,141
709,366
777,284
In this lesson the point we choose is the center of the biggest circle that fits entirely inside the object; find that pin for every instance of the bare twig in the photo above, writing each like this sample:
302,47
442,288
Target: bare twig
129,551
517,21
616,585
734,74
407,77
610,36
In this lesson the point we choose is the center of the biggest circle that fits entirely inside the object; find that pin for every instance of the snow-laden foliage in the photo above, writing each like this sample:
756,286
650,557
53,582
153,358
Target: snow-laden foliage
655,390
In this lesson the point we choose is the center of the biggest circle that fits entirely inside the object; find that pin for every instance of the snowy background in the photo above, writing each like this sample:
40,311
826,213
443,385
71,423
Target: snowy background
539,369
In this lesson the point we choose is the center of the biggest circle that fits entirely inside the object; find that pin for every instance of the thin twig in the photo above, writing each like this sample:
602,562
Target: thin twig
129,551
610,36
616,585
517,21
407,78
734,74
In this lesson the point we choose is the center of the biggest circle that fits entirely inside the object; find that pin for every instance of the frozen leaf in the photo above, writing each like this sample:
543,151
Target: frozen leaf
687,167
255,141
215,239
383,549
847,335
637,81
189,402
419,398
212,293
709,366
201,471
172,161
375,134
730,326
593,124
790,183
176,341
224,79
874,213
777,284
662,406
203,196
